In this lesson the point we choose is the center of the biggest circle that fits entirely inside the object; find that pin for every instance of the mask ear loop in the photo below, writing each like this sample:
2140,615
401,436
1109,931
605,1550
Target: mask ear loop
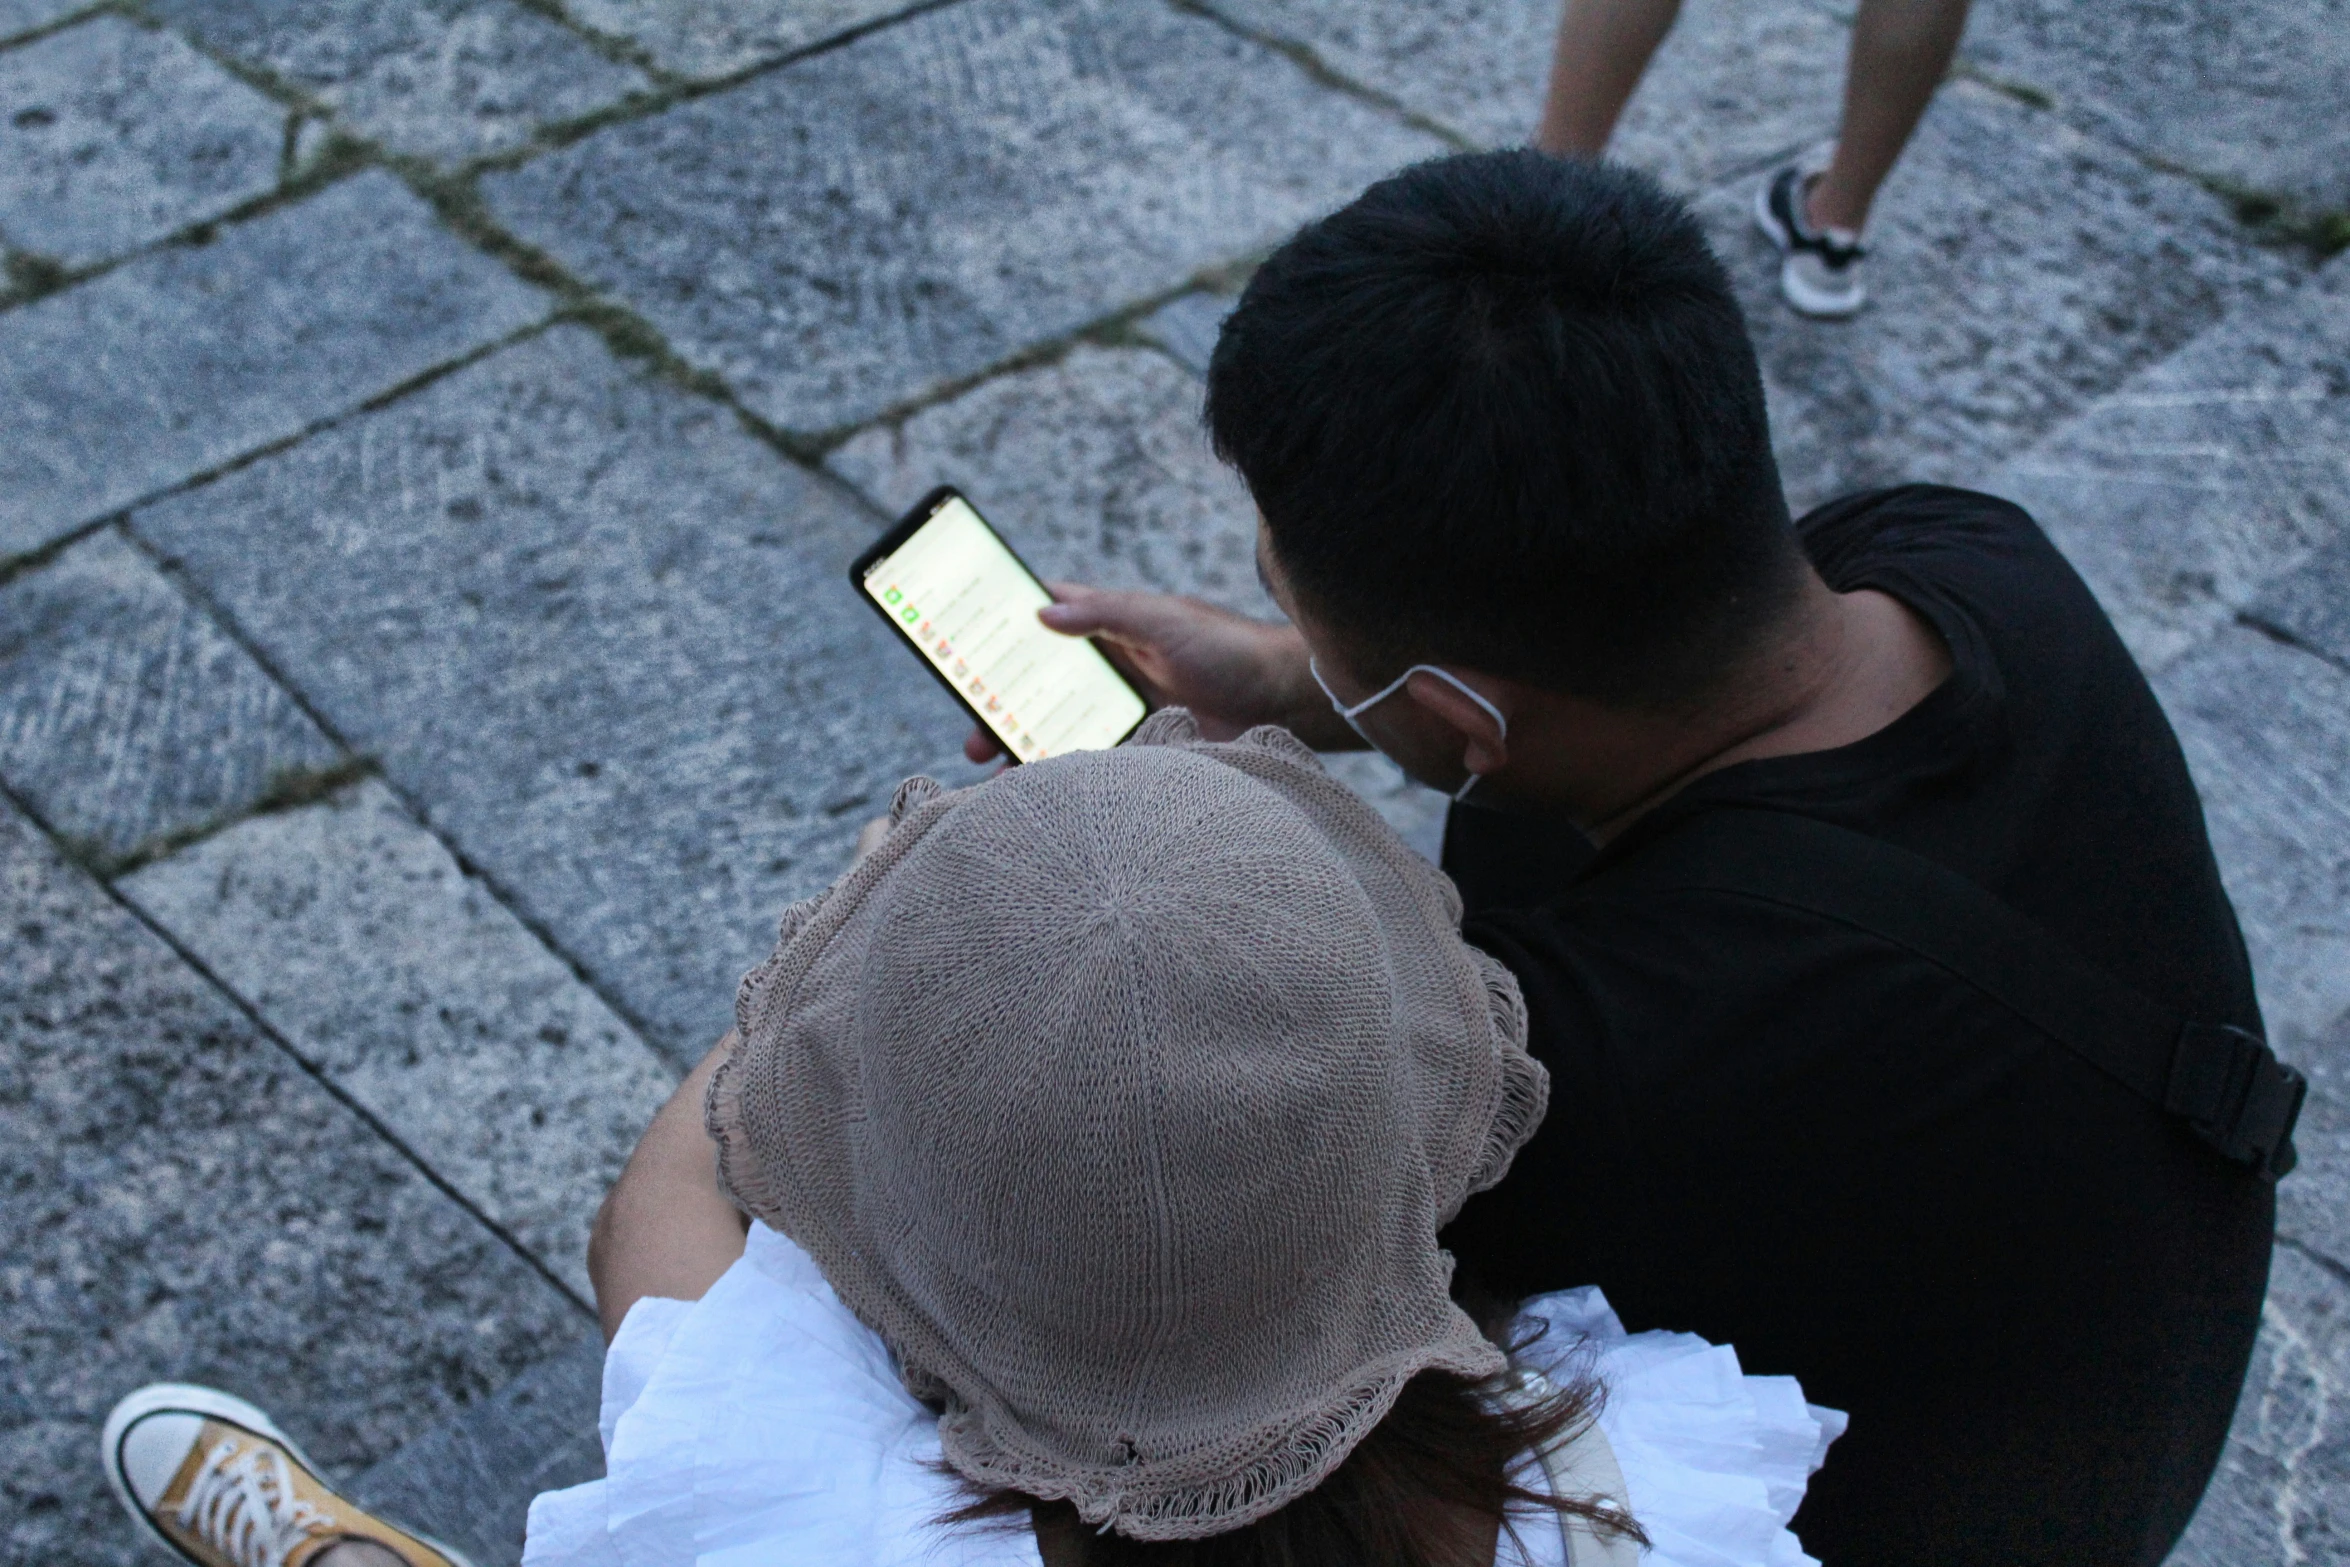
1352,715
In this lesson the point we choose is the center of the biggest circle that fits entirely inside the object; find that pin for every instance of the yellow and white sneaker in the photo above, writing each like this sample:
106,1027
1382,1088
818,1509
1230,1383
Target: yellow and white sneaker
211,1479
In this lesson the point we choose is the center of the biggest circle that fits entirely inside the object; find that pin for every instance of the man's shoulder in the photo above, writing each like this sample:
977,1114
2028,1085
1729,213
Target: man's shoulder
1847,536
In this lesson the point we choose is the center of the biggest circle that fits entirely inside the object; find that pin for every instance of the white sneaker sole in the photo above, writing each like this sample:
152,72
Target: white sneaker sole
1800,295
163,1397
1809,301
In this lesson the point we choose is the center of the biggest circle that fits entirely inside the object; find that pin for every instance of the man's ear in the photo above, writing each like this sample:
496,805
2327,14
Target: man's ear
1485,747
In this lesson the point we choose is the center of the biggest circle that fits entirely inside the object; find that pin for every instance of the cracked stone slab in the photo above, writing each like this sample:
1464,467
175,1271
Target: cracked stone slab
2246,90
184,1203
415,991
2017,273
605,640
127,716
2310,605
194,355
443,79
2282,1494
838,237
1096,468
112,136
705,39
468,1482
2266,730
1735,85
2209,475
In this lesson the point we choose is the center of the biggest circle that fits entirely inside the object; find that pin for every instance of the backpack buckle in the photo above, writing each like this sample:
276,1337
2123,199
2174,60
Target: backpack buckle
2237,1096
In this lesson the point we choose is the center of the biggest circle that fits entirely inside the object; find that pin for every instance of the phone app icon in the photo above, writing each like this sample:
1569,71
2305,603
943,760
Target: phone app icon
891,596
909,614
961,669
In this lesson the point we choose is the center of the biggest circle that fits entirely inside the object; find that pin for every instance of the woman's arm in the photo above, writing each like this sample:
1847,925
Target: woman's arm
666,1228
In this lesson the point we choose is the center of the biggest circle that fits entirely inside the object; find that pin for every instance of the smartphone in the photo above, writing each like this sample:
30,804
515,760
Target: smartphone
952,588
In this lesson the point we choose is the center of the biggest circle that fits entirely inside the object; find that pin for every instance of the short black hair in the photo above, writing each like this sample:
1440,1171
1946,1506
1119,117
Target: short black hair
1502,410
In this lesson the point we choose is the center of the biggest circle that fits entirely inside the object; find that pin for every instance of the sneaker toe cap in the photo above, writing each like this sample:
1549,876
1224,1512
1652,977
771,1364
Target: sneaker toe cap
153,1449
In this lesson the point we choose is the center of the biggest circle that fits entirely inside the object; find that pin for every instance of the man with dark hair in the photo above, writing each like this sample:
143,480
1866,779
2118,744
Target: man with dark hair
1900,1031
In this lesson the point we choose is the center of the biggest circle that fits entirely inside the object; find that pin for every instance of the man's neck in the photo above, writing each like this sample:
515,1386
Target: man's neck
1842,667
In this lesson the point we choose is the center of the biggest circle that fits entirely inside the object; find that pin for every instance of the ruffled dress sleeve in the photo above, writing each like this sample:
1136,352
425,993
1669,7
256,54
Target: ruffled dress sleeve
765,1426
1714,1462
759,1426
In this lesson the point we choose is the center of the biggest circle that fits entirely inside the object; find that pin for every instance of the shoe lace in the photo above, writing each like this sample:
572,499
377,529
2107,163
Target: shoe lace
242,1503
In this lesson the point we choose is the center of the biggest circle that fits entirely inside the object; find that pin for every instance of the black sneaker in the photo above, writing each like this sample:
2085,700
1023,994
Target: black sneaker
1821,273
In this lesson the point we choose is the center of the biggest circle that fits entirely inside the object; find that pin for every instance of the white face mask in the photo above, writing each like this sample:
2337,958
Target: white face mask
1352,715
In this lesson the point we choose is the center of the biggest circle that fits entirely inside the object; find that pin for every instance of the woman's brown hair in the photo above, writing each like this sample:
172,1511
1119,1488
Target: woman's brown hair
1428,1487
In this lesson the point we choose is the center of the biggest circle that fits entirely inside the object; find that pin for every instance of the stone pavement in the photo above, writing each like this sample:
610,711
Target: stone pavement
431,435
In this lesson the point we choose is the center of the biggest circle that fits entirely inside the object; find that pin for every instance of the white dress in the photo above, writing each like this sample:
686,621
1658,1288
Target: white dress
764,1426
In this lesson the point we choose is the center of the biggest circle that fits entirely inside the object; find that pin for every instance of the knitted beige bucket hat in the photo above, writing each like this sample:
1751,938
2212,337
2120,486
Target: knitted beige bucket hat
1123,1095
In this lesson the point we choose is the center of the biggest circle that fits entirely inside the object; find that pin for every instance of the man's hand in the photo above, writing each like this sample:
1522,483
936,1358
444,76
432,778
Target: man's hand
1232,672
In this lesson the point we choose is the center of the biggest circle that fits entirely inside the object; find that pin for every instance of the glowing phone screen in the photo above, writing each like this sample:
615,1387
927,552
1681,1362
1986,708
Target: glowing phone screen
969,606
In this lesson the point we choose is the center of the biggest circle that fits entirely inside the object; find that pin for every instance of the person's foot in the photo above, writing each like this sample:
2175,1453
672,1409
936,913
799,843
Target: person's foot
212,1480
1820,272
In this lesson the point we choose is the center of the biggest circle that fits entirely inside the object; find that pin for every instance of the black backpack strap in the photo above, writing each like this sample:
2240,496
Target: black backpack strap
2225,1083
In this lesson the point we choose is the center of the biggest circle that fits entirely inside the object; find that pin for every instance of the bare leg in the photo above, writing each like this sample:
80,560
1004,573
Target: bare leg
1603,47
1901,50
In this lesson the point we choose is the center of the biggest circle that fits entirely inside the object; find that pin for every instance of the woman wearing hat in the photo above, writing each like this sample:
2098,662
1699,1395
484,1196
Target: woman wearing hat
1068,1194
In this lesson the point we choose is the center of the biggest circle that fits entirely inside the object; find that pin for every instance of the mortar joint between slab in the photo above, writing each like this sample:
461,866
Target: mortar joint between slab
1308,60
230,628
260,78
38,557
311,1069
2275,219
288,789
34,34
2284,636
1117,329
33,277
669,91
613,47
2335,1269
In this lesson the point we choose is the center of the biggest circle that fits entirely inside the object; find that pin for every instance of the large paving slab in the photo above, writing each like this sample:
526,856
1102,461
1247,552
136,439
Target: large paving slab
705,39
601,636
2276,1499
468,1482
2018,271
2209,475
1735,85
413,990
127,716
2249,91
850,232
183,1202
2266,729
1097,469
112,136
194,355
443,79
